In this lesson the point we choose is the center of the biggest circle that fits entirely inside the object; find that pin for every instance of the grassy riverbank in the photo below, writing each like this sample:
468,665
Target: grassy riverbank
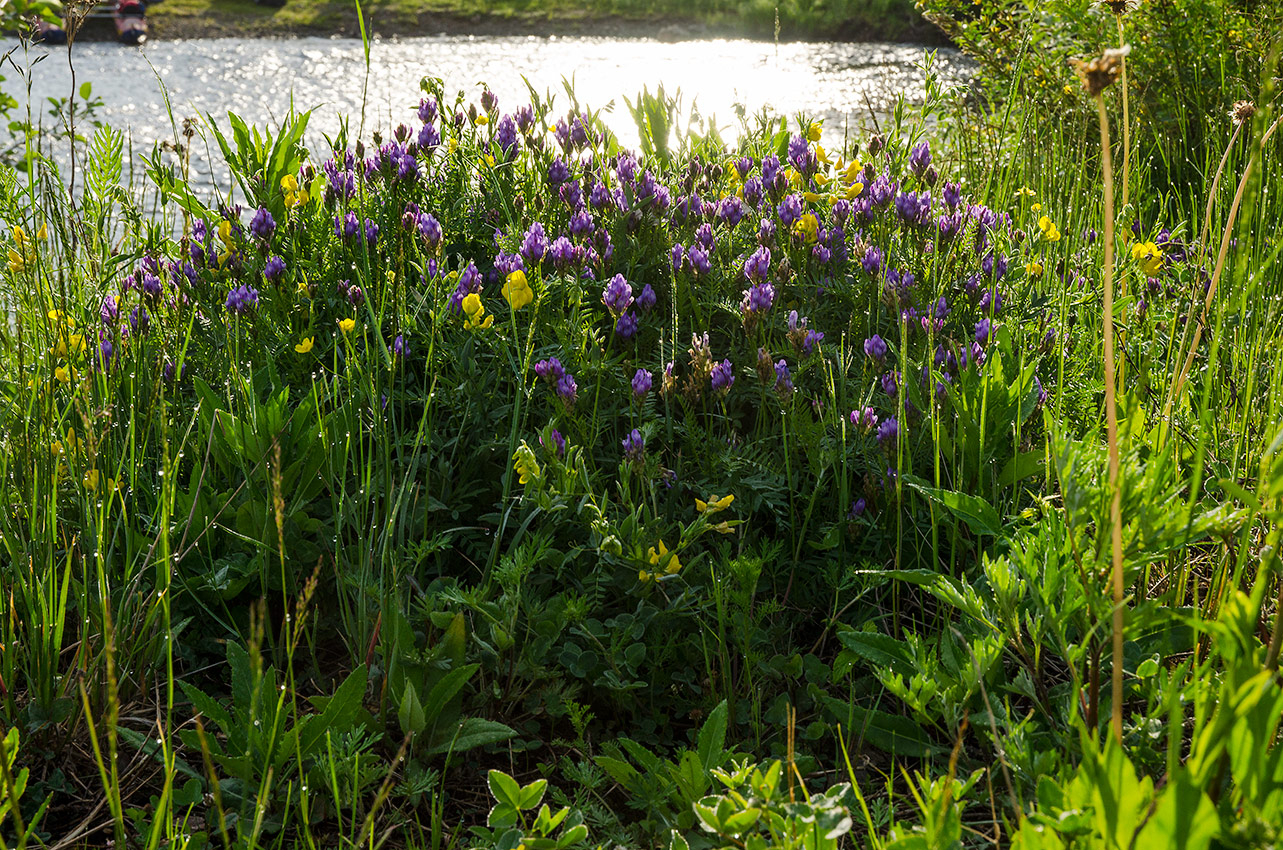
857,20
478,484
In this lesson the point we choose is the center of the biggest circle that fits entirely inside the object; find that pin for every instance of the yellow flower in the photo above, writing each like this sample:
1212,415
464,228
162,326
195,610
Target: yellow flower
17,262
294,196
1025,191
90,480
306,345
225,232
1033,269
1149,256
347,325
63,374
813,132
482,119
822,180
852,172
525,465
1035,207
56,448
853,191
820,154
664,556
1049,231
73,442
113,486
811,197
808,227
474,310
644,576
43,232
714,504
723,527
517,290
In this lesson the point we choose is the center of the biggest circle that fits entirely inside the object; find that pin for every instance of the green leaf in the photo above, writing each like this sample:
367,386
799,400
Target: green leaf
978,514
473,732
879,650
504,788
712,737
410,712
532,794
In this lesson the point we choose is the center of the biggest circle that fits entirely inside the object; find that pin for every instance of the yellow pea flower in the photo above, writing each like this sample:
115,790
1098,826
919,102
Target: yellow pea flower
73,442
1035,207
714,504
811,197
306,345
90,480
1149,256
56,448
517,290
482,119
1033,269
820,154
62,374
347,325
664,556
813,131
474,310
808,227
852,171
525,464
1025,191
43,232
822,180
853,191
644,576
225,232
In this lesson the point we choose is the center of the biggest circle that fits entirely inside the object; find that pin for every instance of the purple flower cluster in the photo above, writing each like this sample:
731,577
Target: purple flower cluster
242,300
562,382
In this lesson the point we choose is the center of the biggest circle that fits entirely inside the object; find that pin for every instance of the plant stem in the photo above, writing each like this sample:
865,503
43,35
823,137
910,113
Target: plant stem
1111,427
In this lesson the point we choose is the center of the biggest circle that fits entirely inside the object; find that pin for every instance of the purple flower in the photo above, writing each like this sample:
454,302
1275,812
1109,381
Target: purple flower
562,253
802,155
790,210
982,331
525,119
642,382
865,418
783,380
489,101
428,110
875,347
618,295
813,338
559,172
757,299
139,321
634,446
952,194
890,383
506,137
730,210
398,346
857,509
535,244
274,269
109,312
889,430
699,261
599,198
766,233
758,266
355,296
429,137
567,389
371,232
920,158
550,370
241,300
678,255
722,376
430,230
704,237
150,285
626,327
262,224
558,442
582,224
646,300
753,192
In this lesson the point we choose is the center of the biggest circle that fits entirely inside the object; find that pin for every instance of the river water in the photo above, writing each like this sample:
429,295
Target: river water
260,78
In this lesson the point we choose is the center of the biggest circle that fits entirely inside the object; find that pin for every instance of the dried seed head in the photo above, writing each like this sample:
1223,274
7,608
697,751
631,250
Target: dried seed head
1120,7
1100,73
1242,112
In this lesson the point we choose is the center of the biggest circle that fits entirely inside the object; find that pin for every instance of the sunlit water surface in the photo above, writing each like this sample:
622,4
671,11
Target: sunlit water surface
260,79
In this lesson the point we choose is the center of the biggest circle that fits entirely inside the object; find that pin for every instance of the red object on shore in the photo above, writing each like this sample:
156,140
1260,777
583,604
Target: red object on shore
131,23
